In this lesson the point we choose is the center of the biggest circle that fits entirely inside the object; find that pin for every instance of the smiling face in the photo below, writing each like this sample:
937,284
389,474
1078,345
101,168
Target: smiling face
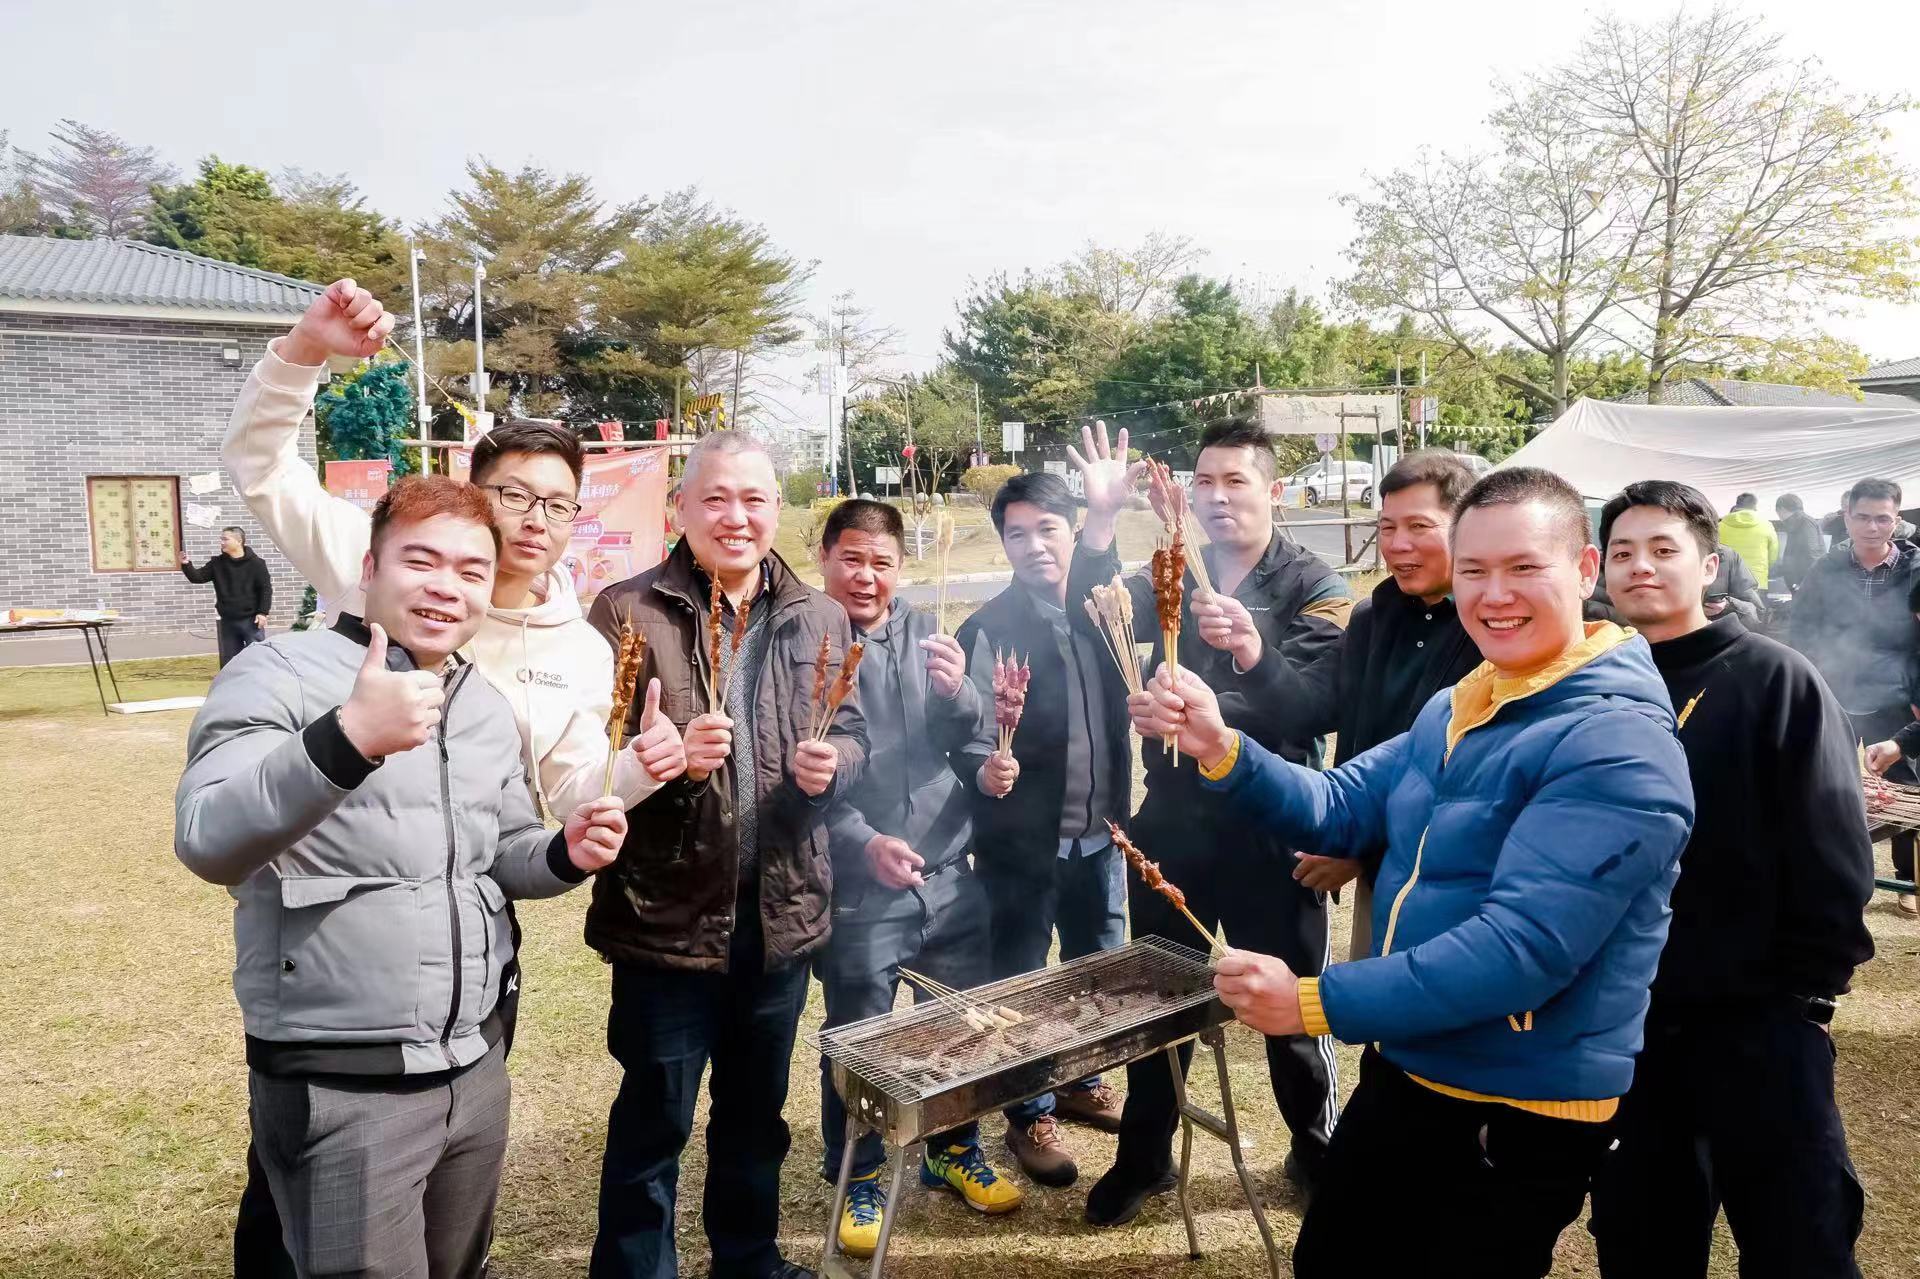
428,582
1656,574
1518,583
1415,525
1039,545
1233,497
530,541
862,570
729,505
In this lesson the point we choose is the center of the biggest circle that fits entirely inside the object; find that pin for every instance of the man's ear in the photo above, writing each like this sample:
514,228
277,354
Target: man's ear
1710,569
366,570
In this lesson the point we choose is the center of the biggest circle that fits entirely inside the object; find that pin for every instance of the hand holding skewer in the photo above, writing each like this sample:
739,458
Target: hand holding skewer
1881,756
997,776
813,764
946,664
1262,991
1226,624
709,742
1179,704
595,832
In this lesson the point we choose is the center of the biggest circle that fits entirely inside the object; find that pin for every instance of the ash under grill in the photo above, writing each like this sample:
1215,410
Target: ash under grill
916,1071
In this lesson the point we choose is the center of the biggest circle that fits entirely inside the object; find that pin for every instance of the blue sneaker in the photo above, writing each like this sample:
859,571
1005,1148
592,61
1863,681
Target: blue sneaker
965,1170
860,1220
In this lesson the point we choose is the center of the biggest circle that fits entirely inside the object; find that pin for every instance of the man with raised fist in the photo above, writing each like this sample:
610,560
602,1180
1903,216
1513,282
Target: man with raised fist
362,797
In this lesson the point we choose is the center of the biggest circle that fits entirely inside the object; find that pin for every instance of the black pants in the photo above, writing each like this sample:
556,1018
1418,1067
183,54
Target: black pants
664,1029
1417,1183
1880,726
236,634
259,1250
1248,887
1737,1113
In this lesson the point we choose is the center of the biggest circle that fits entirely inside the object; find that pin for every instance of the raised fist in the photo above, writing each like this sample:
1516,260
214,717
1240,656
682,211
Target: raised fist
390,711
346,320
595,832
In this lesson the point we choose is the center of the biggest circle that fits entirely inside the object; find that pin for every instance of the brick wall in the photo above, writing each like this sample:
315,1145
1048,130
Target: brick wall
83,396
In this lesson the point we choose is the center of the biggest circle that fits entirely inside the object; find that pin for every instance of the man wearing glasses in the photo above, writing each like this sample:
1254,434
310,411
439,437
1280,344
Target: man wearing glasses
1851,617
534,645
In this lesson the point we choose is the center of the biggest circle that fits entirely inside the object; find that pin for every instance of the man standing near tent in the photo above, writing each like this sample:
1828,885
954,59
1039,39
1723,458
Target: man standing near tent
1275,605
1533,820
1732,1101
1746,532
1852,619
1801,542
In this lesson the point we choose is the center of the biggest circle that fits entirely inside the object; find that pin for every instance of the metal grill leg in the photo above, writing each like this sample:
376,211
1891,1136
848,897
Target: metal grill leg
901,1158
831,1248
1186,1150
1217,1040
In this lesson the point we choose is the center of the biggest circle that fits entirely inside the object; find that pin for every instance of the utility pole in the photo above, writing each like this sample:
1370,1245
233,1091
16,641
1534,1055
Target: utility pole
976,420
826,385
414,257
1423,399
479,338
739,358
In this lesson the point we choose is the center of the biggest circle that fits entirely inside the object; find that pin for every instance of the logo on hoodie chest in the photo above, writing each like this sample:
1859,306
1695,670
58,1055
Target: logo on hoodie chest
541,679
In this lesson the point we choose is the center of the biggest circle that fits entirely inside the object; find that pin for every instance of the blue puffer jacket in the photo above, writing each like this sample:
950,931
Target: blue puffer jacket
1533,829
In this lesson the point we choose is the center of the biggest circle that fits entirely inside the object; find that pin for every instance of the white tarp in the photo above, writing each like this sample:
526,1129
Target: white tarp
1600,447
1321,414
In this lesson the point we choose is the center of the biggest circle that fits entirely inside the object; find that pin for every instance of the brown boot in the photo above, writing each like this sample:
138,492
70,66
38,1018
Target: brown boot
1042,1154
1096,1107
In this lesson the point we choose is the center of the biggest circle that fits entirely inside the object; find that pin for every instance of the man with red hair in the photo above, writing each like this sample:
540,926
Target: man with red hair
363,798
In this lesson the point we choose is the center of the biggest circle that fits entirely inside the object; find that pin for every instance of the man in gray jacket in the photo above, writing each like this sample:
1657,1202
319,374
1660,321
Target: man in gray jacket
363,799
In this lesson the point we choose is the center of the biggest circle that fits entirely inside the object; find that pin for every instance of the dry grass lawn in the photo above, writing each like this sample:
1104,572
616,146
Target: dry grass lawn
122,1088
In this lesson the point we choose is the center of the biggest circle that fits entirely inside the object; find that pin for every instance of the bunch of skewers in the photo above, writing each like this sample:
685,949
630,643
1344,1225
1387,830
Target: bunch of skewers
942,552
827,697
979,1016
1169,568
629,656
1111,608
1150,875
1010,679
1888,803
717,682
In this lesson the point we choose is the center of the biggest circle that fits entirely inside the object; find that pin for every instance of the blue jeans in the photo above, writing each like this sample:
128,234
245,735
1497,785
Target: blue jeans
664,1027
939,929
1084,896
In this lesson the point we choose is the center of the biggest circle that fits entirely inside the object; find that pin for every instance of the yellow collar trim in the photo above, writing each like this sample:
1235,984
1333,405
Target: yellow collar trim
1479,697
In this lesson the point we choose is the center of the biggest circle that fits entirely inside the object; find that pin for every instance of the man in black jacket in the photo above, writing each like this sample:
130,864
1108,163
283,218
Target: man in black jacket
904,893
1043,853
242,591
1732,1101
1403,644
1276,606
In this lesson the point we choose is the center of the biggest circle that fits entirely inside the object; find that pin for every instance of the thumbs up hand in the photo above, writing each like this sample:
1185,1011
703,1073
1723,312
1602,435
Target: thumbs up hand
659,745
390,711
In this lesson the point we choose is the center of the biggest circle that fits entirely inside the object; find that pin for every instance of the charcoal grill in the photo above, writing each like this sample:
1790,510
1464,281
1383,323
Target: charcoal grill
909,1074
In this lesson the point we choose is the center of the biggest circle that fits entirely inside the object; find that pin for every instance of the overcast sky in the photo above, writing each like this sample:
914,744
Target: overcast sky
907,147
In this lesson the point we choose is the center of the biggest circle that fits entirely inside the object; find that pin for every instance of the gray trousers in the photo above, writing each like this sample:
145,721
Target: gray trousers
379,1181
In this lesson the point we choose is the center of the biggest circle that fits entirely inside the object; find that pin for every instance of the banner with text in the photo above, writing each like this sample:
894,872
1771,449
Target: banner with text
623,520
360,482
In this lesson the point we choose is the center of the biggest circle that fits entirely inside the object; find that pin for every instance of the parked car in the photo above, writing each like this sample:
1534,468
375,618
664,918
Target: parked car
1321,482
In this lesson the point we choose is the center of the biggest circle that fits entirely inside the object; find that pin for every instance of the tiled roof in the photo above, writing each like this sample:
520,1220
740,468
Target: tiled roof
129,273
1892,371
1698,392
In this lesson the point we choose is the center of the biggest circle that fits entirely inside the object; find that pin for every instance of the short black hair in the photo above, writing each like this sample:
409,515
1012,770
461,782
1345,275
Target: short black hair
1519,484
1242,435
1746,501
1048,492
1441,468
1682,501
1871,490
864,515
237,531
526,435
1790,503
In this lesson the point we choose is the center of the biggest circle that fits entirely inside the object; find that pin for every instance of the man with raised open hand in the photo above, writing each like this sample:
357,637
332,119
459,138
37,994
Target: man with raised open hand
1533,819
362,796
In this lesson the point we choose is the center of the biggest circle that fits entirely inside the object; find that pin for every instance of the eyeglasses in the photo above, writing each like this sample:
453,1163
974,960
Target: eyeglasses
518,500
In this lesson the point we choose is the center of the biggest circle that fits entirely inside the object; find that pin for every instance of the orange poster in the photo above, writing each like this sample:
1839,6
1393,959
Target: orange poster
362,483
622,526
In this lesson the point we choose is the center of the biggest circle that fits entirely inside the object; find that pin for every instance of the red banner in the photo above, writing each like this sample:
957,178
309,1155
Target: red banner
622,526
360,482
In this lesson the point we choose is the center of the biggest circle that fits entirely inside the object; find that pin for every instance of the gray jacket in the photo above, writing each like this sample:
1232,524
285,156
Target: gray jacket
371,928
916,782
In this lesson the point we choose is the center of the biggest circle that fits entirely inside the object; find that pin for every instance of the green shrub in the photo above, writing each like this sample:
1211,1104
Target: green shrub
803,486
985,481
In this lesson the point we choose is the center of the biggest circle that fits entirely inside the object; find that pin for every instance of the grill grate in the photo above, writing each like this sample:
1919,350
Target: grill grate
919,1053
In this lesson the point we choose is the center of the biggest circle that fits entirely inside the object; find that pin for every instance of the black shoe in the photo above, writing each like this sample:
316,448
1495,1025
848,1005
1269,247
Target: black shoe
787,1270
1118,1197
1304,1176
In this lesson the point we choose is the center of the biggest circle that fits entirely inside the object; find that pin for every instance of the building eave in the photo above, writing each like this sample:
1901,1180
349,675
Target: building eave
135,311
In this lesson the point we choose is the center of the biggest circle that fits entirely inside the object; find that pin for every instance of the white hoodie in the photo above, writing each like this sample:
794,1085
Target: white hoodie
555,670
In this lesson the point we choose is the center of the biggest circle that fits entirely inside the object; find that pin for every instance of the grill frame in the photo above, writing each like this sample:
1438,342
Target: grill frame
866,1056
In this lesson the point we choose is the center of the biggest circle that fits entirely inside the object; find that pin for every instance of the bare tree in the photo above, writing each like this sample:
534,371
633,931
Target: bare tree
1765,192
1136,282
1535,241
95,179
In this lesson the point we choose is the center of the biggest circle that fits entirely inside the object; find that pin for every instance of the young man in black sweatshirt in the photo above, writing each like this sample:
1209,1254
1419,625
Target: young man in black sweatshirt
242,591
1732,1101
1276,607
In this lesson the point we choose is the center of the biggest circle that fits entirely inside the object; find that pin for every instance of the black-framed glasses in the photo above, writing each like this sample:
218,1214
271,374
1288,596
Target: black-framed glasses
518,500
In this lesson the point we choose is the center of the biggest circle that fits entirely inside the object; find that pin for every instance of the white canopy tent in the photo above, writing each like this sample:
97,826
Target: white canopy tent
1600,447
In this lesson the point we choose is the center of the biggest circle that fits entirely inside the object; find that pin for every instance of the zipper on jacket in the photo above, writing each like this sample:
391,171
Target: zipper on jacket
1393,914
453,901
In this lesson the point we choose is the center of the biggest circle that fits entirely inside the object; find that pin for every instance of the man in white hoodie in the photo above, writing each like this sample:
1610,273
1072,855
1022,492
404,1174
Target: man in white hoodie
534,645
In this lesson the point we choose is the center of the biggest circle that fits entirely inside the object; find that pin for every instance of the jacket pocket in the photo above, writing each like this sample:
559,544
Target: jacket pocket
499,942
349,953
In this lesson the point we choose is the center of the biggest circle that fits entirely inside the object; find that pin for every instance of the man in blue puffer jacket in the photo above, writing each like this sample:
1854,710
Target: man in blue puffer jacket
1533,819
